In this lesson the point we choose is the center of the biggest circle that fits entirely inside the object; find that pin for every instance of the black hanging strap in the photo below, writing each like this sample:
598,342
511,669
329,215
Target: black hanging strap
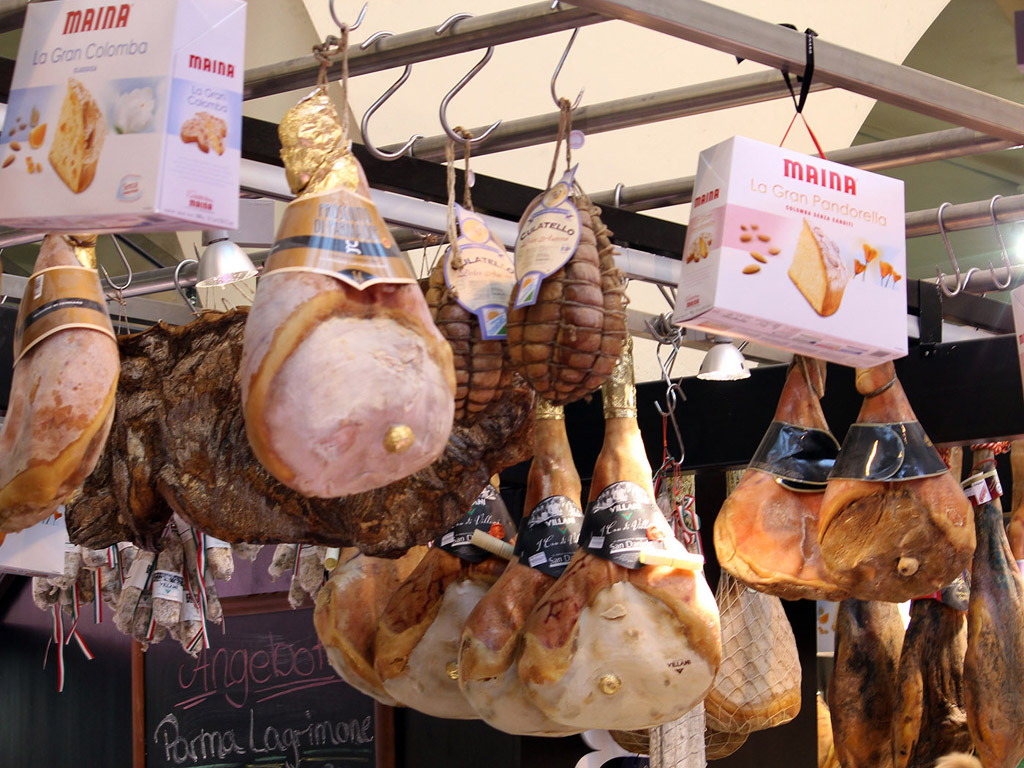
805,81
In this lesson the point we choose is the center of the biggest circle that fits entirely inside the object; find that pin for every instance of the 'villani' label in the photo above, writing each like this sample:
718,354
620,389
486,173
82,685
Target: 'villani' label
57,298
488,514
340,234
548,237
483,280
621,522
550,535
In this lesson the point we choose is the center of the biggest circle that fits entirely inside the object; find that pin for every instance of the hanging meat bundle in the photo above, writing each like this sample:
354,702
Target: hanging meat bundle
489,654
766,534
894,523
346,383
62,390
862,691
994,665
1015,531
420,630
616,644
348,608
566,325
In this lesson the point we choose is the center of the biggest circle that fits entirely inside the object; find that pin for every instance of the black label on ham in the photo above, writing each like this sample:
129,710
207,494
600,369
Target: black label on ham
887,453
550,535
799,456
621,522
488,514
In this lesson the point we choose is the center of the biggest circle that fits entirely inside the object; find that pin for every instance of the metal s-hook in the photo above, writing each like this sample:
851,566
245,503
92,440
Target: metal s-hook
961,281
554,77
443,111
106,277
1001,285
380,154
672,390
359,20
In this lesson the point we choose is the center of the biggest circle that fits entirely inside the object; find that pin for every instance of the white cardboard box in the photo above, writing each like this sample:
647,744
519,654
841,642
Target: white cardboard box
142,108
36,551
796,252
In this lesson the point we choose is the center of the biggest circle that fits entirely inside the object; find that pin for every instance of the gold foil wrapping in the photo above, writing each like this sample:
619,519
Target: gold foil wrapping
314,149
85,249
618,393
545,410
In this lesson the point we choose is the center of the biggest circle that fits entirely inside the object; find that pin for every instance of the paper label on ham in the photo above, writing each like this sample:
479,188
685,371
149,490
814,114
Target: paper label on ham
548,237
340,234
800,457
488,514
621,522
57,298
190,611
168,585
956,595
482,283
887,453
550,535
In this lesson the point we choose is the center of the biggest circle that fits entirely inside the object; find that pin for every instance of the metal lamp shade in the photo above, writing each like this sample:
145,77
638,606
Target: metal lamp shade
723,362
222,263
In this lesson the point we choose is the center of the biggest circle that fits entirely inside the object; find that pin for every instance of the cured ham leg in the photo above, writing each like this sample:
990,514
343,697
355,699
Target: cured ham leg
488,656
1015,532
766,534
906,531
613,646
348,608
862,691
62,390
994,666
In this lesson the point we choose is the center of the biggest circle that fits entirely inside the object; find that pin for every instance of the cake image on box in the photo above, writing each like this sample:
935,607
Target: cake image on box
818,270
206,131
78,139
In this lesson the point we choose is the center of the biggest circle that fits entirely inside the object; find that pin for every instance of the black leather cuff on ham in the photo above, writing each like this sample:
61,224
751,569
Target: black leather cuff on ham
904,528
61,404
766,534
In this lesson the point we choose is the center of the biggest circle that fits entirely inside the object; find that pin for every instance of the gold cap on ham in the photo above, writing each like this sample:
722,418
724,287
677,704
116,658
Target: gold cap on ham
545,410
619,391
314,148
85,249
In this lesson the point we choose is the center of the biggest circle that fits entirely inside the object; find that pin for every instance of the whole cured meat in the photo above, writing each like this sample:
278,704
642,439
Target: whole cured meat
758,682
1015,531
567,343
929,719
491,637
62,390
826,747
612,646
348,608
994,665
680,743
346,383
766,534
179,442
906,531
862,691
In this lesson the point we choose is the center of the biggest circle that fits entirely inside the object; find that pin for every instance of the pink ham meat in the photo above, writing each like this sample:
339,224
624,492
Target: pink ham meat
61,404
766,534
893,540
344,389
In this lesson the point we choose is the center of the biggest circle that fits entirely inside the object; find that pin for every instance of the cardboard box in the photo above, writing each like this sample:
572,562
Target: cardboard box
796,252
36,551
125,116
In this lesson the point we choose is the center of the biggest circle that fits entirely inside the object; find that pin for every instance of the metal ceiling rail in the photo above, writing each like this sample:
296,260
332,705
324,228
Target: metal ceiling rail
965,216
412,47
12,14
619,113
785,49
876,156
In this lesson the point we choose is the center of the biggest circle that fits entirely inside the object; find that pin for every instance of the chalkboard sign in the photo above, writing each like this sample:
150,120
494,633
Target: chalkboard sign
264,694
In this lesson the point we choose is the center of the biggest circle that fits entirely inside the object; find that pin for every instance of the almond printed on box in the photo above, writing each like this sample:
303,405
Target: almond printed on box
796,252
125,116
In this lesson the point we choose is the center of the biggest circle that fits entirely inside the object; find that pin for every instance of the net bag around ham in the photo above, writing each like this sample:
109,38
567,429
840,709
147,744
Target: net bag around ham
65,376
766,534
894,523
346,383
491,637
420,630
616,644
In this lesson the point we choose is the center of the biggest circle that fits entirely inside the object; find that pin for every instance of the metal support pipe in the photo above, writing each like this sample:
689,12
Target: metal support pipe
876,156
785,49
965,216
620,113
412,47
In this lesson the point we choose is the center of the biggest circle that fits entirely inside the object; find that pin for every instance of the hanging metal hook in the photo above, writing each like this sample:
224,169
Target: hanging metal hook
340,23
443,111
554,77
114,286
672,394
961,280
1001,285
380,154
177,279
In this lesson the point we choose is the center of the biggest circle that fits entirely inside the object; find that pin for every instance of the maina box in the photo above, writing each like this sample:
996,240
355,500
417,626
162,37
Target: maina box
125,116
796,252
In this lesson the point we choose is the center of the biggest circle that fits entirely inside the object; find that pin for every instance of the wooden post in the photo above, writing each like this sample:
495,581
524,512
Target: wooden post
384,735
138,706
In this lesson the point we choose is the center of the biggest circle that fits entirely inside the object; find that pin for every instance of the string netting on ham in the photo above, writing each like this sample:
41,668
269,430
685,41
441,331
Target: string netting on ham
719,744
